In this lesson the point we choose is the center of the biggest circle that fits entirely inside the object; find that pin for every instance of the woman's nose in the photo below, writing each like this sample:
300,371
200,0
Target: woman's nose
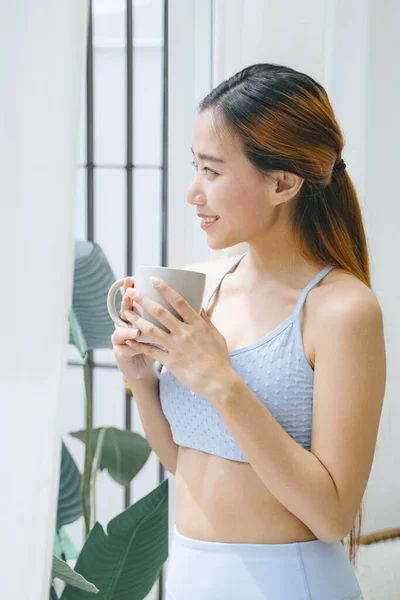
197,199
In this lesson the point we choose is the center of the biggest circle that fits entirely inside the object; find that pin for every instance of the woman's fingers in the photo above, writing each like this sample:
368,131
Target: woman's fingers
126,303
128,283
121,334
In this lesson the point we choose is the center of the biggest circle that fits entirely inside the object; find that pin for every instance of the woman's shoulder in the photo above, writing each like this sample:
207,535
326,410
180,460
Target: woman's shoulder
340,295
341,303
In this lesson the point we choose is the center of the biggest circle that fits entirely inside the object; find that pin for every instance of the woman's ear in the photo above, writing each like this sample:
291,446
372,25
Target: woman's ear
288,186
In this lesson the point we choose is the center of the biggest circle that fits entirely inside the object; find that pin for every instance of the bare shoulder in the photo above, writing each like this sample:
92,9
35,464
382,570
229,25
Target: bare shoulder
213,269
343,301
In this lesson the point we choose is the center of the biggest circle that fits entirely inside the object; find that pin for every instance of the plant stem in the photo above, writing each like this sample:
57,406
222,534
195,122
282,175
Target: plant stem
86,474
95,468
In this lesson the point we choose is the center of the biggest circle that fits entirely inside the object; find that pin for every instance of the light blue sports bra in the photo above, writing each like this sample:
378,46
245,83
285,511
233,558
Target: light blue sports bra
276,370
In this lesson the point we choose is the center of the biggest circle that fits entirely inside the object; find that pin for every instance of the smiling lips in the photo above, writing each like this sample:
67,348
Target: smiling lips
207,222
210,219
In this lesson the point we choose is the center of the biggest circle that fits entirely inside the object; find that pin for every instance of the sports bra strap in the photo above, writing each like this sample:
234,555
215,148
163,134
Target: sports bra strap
309,286
207,301
302,296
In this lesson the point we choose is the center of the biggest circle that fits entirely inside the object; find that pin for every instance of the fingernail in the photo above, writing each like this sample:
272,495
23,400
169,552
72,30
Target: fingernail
155,280
129,314
133,333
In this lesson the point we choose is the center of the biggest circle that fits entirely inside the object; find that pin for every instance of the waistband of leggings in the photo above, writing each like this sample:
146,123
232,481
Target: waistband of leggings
288,549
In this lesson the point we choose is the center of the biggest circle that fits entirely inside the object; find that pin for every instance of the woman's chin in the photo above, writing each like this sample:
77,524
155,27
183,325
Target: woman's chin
216,244
221,245
221,242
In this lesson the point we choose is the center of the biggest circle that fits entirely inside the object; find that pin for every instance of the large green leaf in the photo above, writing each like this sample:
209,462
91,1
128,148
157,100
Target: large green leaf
63,547
63,571
90,324
69,508
125,563
124,452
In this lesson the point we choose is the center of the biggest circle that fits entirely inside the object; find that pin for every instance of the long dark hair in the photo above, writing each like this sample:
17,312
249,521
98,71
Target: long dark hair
285,121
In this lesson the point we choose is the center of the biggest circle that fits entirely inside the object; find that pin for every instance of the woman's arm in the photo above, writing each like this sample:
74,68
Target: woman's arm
146,393
324,487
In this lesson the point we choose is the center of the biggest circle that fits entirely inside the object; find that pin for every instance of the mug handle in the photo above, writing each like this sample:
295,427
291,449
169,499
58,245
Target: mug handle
111,303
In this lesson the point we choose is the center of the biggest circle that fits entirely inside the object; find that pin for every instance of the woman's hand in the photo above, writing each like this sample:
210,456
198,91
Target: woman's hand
195,351
132,363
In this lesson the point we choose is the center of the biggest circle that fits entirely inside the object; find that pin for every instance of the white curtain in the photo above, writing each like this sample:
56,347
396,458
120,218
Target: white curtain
42,67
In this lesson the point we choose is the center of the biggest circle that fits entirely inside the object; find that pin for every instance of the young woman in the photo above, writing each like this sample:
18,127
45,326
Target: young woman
268,404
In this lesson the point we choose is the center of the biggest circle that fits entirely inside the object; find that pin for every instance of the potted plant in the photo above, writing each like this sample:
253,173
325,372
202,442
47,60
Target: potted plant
125,560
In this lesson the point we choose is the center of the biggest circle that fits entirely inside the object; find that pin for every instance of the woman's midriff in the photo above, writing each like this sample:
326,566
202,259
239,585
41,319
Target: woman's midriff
221,500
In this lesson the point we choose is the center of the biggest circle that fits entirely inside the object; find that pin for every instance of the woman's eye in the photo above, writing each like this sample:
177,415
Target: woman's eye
205,169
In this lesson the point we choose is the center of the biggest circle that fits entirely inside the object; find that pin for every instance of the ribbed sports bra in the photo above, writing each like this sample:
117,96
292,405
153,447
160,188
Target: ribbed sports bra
275,368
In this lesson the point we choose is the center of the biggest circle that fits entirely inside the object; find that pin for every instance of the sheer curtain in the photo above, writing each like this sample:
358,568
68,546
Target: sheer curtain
42,73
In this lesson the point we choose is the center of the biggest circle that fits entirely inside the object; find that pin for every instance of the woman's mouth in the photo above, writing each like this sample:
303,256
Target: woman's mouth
207,222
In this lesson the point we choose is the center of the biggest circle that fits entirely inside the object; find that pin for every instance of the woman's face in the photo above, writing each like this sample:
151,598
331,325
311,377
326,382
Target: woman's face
230,188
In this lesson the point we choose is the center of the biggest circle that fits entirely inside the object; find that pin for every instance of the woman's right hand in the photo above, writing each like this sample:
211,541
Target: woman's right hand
133,365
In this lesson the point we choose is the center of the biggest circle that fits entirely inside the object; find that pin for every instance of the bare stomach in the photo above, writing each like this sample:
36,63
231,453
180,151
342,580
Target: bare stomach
221,500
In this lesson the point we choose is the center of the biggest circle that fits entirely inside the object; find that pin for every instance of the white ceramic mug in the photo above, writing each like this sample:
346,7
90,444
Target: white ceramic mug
189,284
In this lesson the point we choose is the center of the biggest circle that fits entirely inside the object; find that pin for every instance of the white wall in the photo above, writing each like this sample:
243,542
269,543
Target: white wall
41,77
382,212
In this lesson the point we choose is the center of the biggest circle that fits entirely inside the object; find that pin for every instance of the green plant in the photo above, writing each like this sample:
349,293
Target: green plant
125,561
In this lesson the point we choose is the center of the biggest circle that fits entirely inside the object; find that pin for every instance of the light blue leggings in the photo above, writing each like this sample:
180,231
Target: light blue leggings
315,570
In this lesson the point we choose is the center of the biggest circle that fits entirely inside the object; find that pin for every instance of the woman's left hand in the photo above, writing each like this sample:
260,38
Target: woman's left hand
195,351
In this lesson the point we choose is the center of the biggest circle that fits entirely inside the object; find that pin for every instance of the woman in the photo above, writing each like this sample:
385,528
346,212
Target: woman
268,405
